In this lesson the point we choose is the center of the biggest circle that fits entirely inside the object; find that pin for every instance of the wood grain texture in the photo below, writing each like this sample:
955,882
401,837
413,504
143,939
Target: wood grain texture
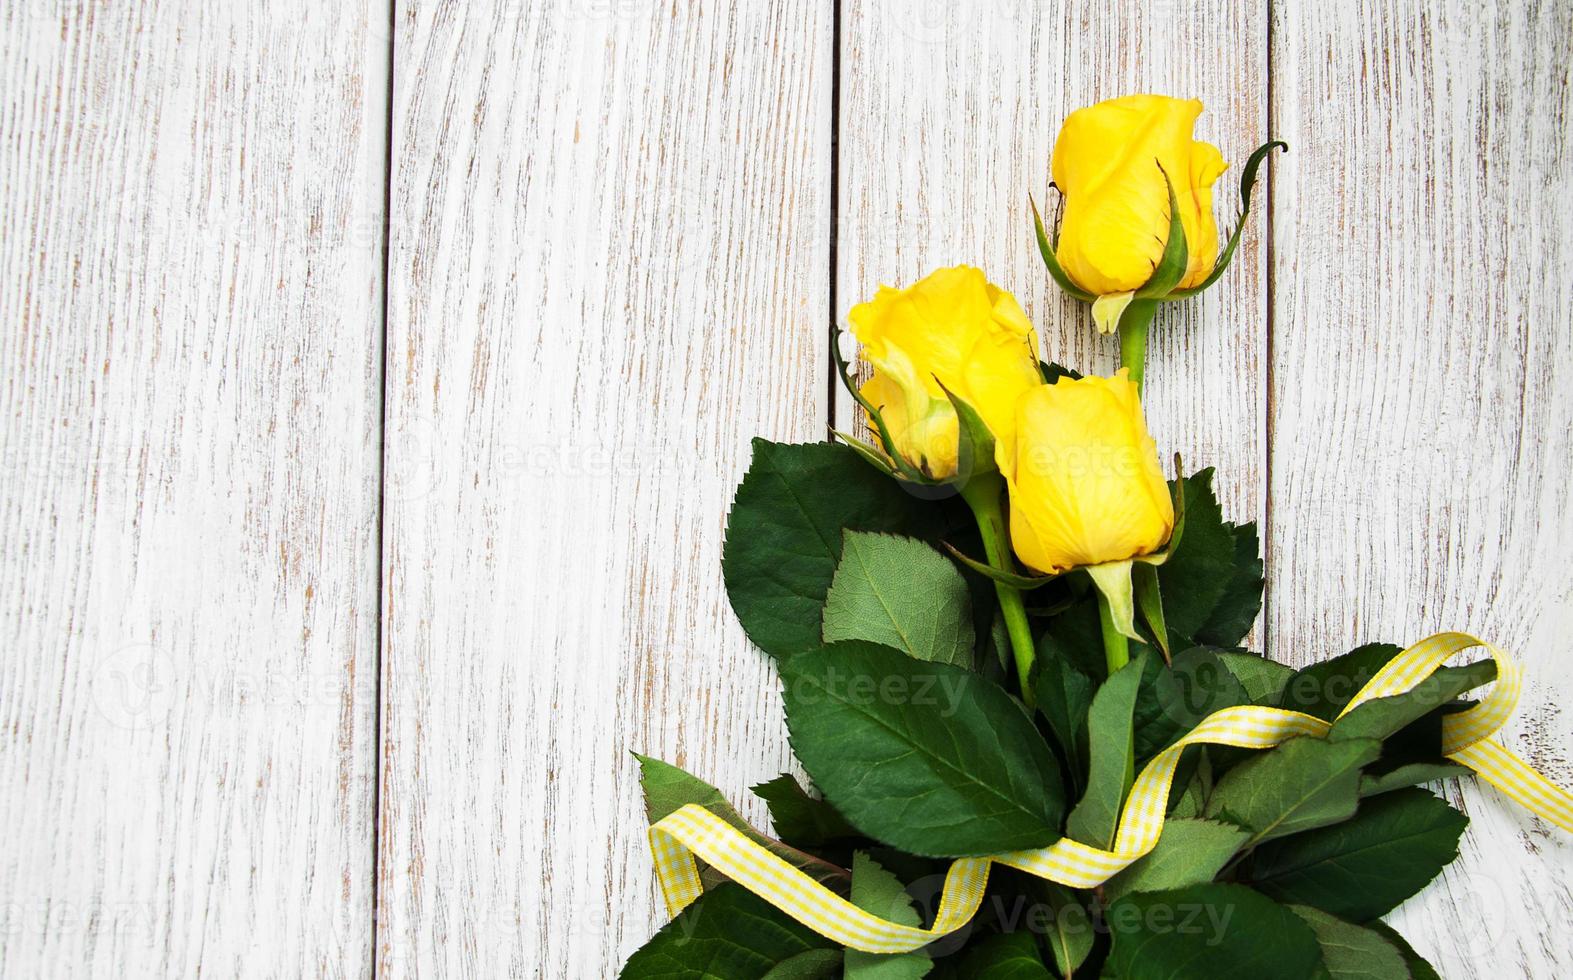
1422,424
610,267
190,282
609,270
948,118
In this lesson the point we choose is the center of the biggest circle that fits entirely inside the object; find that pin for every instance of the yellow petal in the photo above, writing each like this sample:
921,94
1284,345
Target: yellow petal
1085,485
954,328
1196,212
1109,162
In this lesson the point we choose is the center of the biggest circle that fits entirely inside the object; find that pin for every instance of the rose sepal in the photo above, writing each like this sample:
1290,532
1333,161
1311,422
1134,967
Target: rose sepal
1149,600
1112,579
974,441
869,452
1123,310
1024,583
1166,275
894,464
1046,248
1122,586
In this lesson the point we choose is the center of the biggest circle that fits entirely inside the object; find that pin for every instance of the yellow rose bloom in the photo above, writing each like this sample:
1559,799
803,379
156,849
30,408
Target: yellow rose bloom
952,327
1116,218
1085,486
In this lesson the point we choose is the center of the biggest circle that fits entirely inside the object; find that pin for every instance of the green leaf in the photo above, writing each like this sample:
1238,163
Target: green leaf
1177,498
1212,581
1208,932
783,537
1069,929
926,757
801,820
1364,867
999,641
1190,852
1011,956
1051,261
1386,716
1097,816
1149,600
668,789
1323,689
878,891
1385,780
1076,630
815,964
1303,783
1190,802
1419,969
1247,180
727,934
999,957
1262,680
1173,701
1064,697
1241,602
1351,952
902,593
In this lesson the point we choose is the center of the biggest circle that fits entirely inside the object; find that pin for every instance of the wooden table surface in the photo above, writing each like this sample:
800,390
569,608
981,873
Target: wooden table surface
375,376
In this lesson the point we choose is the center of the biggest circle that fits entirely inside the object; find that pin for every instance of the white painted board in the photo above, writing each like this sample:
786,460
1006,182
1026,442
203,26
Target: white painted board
191,287
610,271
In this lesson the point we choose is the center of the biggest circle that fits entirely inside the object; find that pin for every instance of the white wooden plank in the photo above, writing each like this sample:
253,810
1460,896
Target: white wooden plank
1421,456
609,270
948,119
190,278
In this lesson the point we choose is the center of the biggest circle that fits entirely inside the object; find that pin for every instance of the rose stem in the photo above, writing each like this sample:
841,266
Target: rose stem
982,494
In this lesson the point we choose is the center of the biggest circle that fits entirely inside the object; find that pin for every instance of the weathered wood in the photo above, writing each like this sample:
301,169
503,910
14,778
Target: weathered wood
610,266
948,118
190,282
1423,282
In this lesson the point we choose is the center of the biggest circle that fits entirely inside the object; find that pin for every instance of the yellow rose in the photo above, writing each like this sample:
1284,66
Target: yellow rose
1085,487
953,327
1116,219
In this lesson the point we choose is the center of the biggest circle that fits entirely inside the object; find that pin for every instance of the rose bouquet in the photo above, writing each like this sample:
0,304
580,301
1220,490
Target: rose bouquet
1011,658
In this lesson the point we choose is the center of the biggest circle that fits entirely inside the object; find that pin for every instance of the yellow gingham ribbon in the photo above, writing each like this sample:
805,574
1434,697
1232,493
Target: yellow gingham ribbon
692,831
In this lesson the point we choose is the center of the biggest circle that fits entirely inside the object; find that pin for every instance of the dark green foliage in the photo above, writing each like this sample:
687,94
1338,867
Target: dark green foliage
784,535
1363,868
926,757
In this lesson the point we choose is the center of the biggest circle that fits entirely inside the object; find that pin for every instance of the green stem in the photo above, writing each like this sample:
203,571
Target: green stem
982,494
1116,654
1116,648
1134,324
